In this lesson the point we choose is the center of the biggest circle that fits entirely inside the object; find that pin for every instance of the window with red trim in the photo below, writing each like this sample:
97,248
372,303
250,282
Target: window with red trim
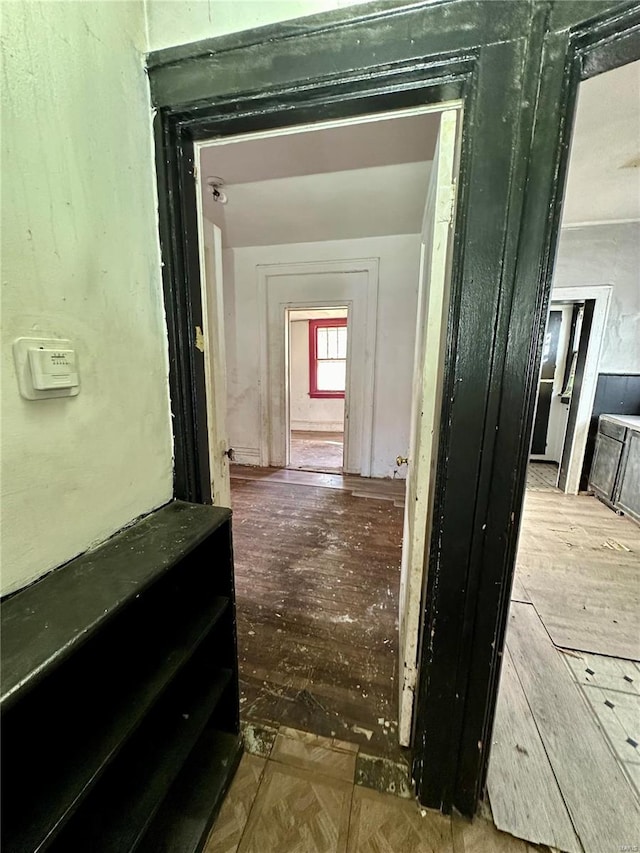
327,358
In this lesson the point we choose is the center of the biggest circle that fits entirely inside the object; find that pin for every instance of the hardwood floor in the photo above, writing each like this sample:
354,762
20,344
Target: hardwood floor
317,576
565,762
317,584
360,487
316,451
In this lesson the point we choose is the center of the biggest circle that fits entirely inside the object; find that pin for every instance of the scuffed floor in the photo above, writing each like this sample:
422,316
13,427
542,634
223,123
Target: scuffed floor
317,451
317,583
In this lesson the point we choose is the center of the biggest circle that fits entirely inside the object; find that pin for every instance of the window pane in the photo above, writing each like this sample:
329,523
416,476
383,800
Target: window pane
342,342
332,342
331,375
322,345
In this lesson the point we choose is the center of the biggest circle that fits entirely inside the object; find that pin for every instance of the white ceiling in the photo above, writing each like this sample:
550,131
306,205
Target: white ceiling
360,180
317,151
370,179
371,202
604,168
317,314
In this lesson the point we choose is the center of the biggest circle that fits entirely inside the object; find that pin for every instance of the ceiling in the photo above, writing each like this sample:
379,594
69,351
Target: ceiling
604,169
371,202
370,179
317,314
359,180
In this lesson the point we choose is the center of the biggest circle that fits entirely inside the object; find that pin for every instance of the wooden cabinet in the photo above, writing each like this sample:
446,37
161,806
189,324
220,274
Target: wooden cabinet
615,471
120,692
628,493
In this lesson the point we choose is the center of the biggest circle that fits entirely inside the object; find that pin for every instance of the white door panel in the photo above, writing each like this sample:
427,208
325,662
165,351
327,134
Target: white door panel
215,360
433,303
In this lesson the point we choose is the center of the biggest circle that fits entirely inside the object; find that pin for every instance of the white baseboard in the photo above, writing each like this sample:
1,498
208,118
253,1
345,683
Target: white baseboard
391,474
318,426
246,455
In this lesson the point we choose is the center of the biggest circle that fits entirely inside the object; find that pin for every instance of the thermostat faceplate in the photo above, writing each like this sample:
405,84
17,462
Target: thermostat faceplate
46,367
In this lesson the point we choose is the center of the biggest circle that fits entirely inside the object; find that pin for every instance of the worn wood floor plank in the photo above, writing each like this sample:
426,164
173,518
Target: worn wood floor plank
481,836
317,584
578,561
596,612
525,797
380,489
316,451
600,800
518,591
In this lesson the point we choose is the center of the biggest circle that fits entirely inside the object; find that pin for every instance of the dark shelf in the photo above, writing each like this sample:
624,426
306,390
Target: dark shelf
89,591
116,815
192,804
120,669
53,793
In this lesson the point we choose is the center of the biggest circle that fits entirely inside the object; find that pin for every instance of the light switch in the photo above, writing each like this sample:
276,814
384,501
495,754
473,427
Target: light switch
46,367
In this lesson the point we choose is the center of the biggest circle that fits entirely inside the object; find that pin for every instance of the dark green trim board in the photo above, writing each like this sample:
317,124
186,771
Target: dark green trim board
563,56
516,66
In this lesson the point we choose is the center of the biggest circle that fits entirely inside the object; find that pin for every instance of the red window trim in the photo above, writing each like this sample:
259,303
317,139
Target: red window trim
314,325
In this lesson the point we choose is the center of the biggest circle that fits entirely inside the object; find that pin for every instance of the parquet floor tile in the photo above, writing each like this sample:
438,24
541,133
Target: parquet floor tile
330,757
382,822
234,813
298,811
276,807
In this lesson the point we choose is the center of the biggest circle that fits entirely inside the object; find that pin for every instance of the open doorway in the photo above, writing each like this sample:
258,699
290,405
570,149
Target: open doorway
326,252
564,767
318,347
561,450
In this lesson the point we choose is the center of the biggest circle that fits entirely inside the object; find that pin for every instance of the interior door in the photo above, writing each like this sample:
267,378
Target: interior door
431,327
213,343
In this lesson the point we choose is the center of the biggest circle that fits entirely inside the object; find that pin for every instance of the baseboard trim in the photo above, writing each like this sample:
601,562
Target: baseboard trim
317,426
247,455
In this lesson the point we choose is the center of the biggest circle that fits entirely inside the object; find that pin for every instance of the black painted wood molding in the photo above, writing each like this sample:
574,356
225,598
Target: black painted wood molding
516,66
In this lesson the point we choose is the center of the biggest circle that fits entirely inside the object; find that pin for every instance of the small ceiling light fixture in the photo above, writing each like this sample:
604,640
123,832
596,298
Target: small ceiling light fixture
215,186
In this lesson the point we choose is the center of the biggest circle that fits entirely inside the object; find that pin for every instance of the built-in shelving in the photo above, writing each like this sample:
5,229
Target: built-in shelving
114,674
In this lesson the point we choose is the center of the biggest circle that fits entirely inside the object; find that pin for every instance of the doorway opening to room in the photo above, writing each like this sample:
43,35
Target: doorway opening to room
512,170
564,766
316,394
562,439
326,259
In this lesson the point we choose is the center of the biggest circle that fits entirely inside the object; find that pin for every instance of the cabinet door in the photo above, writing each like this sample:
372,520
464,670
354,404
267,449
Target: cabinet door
628,492
605,466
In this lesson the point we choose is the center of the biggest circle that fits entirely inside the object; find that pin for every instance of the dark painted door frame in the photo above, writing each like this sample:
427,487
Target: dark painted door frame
516,65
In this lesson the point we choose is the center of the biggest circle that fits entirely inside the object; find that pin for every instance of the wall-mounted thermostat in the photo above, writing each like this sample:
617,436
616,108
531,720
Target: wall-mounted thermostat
46,367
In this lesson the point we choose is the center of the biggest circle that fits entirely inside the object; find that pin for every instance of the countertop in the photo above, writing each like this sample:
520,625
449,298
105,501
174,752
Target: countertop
631,421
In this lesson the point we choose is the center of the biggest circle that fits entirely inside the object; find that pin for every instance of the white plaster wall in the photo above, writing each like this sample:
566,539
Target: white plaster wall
171,22
309,413
80,259
603,183
399,261
607,254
